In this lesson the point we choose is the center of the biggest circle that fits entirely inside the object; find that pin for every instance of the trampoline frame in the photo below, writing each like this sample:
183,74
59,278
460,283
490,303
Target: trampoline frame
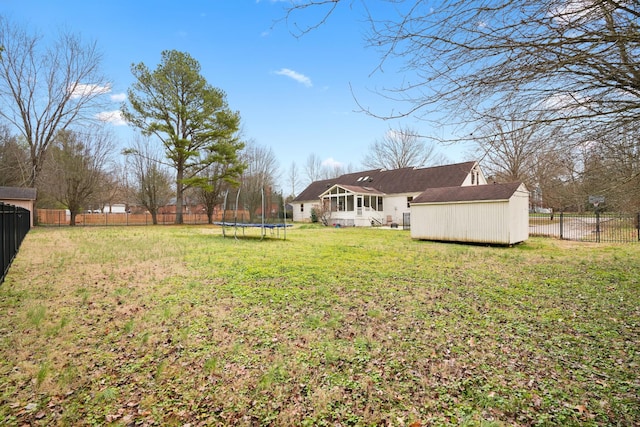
273,227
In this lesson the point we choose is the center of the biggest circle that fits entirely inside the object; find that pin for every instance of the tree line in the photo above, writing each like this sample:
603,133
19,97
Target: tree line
547,93
189,145
189,142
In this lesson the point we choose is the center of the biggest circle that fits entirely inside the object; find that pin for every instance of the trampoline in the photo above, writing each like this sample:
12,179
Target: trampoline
264,226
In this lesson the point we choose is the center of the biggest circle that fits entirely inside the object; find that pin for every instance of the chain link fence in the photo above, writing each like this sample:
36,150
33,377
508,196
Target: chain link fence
587,227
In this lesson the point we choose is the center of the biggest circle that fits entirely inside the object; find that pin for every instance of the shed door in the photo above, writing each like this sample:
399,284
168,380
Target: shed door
359,205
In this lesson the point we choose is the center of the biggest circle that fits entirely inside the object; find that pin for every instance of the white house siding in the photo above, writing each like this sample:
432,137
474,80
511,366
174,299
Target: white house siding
495,222
305,215
395,206
477,179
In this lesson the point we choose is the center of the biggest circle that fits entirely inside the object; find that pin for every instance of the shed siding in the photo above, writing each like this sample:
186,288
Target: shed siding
464,222
495,222
26,204
519,216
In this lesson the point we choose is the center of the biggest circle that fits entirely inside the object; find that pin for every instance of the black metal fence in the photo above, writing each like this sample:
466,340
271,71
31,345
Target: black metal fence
587,227
15,223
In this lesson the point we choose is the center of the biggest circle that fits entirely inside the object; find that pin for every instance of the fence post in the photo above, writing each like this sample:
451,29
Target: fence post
561,225
597,225
638,225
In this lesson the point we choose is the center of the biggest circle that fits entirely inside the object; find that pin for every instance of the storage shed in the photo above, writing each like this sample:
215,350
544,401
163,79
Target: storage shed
492,213
19,196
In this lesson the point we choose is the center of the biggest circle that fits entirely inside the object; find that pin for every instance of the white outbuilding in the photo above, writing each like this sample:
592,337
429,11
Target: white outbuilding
491,213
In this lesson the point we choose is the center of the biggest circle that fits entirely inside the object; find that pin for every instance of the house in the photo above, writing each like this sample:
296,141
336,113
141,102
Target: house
493,214
19,196
378,196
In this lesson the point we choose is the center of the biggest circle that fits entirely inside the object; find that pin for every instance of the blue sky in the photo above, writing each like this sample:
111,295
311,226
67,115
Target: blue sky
294,94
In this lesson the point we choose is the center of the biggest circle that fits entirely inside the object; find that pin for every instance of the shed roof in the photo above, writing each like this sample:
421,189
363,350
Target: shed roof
396,181
17,193
468,193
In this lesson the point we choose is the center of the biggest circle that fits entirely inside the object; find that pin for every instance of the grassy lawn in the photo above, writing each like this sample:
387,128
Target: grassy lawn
176,325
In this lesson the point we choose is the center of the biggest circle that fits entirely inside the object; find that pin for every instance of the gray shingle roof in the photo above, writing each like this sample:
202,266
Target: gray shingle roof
404,180
468,193
17,193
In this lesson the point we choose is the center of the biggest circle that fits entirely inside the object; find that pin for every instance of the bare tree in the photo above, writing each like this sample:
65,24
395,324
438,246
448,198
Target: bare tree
335,169
513,151
260,175
44,89
75,168
611,168
293,178
313,168
151,177
14,160
401,148
576,58
113,187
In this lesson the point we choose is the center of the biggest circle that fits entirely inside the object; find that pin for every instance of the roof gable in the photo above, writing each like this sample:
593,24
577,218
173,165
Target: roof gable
469,193
396,181
353,189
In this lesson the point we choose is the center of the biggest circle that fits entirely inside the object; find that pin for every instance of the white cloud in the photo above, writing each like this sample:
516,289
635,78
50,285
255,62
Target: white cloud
571,11
564,102
301,78
113,117
118,97
331,163
81,90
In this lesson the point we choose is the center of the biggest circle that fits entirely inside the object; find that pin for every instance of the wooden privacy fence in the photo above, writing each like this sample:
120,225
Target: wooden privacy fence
587,227
15,223
60,217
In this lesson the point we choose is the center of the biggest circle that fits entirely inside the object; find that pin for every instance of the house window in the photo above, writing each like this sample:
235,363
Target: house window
301,207
350,203
379,204
409,200
473,177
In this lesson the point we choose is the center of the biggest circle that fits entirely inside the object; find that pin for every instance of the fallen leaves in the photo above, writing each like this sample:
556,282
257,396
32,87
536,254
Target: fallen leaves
313,338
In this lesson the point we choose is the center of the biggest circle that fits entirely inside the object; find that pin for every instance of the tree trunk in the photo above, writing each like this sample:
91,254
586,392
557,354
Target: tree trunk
154,217
72,220
179,193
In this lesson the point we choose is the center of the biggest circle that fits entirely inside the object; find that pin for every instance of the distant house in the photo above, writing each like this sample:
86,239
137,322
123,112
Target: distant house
379,196
115,208
19,196
493,214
